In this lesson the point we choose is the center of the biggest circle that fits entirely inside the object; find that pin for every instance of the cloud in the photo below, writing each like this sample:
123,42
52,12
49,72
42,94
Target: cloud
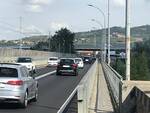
32,30
36,5
34,8
119,3
58,25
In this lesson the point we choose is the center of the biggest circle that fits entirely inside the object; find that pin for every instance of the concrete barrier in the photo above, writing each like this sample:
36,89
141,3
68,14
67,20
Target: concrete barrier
8,55
136,97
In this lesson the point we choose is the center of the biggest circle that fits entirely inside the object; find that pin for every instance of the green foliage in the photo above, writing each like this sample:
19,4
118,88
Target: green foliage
42,46
139,66
119,66
62,41
140,62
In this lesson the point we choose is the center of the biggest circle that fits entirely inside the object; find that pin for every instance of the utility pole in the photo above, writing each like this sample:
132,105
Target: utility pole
20,24
49,36
127,40
108,33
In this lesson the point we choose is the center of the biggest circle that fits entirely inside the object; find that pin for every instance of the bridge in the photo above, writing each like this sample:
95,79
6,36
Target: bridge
97,89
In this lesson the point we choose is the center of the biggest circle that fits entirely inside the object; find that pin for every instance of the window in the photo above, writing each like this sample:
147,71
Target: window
24,60
8,72
66,61
24,72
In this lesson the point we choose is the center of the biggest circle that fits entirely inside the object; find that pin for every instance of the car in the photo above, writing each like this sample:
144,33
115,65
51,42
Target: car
67,66
87,59
28,62
17,85
79,62
53,61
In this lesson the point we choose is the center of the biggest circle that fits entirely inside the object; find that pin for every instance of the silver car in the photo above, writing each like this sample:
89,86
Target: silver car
16,85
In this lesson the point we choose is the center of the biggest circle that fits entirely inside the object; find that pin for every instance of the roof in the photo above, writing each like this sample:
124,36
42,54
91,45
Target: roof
11,65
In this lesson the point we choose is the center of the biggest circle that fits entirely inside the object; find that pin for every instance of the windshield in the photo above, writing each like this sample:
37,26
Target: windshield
24,60
8,72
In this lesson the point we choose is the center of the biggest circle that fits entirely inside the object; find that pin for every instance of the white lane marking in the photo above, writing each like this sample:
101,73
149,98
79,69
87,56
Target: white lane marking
62,108
46,74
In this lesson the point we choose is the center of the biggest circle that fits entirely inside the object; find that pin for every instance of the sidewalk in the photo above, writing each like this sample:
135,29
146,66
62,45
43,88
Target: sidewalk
100,96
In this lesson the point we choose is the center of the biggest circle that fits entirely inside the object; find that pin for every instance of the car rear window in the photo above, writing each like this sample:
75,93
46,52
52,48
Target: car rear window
77,60
8,72
53,59
66,61
22,60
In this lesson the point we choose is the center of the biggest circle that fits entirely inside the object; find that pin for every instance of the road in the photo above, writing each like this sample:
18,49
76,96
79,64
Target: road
53,91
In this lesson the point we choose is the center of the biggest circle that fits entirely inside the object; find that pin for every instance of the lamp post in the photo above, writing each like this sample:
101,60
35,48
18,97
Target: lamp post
127,40
103,27
108,33
20,46
95,39
104,53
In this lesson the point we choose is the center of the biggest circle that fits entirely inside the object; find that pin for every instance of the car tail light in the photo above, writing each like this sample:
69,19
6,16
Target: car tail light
15,82
74,65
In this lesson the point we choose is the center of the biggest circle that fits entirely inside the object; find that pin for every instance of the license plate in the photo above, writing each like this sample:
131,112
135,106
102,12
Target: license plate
66,66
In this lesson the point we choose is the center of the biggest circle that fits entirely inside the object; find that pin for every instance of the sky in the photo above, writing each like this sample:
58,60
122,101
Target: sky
20,18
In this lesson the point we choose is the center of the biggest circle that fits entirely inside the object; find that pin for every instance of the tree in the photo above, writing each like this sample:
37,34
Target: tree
139,67
63,41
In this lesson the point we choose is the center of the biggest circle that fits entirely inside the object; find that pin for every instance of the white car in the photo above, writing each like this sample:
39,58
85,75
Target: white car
26,61
79,61
16,84
53,61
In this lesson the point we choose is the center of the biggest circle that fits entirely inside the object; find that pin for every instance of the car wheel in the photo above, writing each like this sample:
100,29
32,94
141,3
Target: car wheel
34,71
76,73
25,101
58,73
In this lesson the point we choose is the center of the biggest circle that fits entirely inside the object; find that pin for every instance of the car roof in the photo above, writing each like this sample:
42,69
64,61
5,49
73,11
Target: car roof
24,57
10,65
67,58
53,57
78,58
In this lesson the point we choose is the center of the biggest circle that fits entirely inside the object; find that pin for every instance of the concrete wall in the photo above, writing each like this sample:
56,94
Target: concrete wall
8,55
136,97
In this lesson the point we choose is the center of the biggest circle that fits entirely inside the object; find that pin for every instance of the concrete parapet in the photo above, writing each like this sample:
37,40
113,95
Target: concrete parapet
136,97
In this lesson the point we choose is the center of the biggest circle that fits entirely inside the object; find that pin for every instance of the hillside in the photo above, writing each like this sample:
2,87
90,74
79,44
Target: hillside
138,33
36,38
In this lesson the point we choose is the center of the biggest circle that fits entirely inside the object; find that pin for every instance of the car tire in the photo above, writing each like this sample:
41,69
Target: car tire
58,73
75,73
25,101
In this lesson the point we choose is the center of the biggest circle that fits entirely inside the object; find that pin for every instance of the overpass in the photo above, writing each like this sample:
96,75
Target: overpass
97,89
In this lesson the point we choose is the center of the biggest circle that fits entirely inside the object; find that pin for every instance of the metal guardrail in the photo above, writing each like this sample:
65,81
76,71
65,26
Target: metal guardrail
114,81
83,91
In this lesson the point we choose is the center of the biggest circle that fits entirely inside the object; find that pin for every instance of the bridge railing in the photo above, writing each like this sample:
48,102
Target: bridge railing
114,81
83,91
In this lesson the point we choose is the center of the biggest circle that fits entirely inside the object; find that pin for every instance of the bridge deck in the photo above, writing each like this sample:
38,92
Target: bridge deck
101,96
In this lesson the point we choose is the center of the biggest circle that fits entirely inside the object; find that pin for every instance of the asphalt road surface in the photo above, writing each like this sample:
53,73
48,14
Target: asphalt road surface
53,92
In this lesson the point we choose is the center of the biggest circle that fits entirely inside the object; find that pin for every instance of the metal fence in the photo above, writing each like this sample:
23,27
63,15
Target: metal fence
114,81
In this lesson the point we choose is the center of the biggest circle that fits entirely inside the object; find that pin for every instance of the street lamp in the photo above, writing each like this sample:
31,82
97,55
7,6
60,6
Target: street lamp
128,40
102,27
104,53
108,33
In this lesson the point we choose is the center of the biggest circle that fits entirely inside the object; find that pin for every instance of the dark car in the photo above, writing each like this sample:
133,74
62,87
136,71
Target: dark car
67,66
87,59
